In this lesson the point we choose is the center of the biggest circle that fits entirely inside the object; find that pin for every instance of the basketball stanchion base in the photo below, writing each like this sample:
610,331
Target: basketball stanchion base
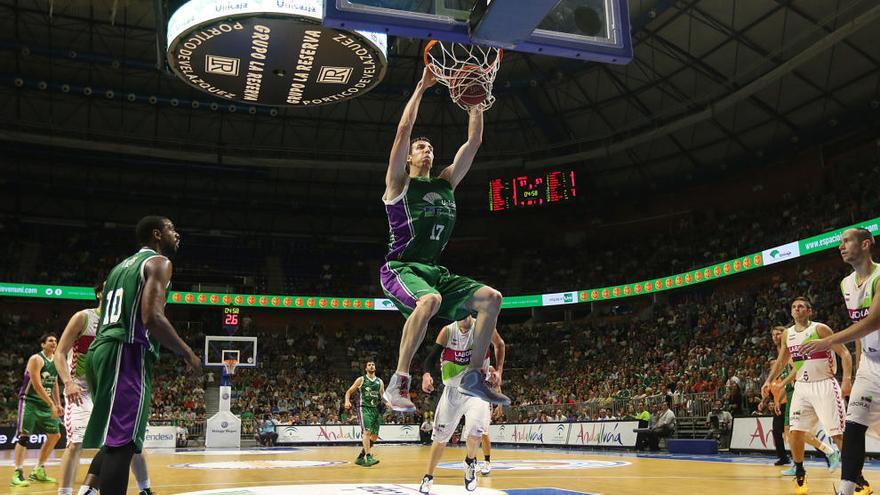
224,428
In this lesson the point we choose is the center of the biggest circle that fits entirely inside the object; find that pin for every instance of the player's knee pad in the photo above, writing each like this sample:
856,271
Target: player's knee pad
22,439
853,455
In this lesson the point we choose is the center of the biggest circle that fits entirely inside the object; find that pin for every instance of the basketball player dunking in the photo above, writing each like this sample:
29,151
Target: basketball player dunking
70,361
120,360
421,215
817,395
859,289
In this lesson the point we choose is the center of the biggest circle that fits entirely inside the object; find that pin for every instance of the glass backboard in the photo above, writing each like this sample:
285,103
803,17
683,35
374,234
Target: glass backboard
596,30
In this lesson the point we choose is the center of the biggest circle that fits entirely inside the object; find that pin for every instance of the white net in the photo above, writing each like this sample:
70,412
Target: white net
229,366
467,70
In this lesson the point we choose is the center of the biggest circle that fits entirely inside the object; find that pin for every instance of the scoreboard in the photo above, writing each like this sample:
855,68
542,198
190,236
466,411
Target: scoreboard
231,319
531,190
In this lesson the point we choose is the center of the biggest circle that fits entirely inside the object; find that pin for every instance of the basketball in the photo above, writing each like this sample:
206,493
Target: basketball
473,95
465,86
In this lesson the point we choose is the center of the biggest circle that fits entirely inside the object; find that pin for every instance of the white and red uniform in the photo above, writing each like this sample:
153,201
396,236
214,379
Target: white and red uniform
76,417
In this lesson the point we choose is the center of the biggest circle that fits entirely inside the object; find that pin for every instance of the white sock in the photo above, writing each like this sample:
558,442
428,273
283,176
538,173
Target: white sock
143,485
846,487
65,491
825,448
87,490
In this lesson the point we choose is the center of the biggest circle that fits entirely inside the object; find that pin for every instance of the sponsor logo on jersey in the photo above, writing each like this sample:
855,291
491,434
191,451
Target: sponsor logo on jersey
858,314
431,197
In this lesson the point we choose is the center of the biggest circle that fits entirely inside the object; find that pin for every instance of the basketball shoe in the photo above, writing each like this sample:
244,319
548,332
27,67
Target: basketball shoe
833,460
800,485
39,474
18,479
472,384
427,484
470,474
485,468
863,487
397,394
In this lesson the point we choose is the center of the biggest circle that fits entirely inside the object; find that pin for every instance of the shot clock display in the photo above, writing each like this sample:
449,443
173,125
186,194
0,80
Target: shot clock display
231,317
531,190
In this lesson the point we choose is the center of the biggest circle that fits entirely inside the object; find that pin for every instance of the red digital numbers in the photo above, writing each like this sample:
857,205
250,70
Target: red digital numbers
521,191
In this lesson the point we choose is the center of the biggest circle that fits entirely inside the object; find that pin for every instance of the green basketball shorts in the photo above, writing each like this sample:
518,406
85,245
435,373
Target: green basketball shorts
36,418
370,419
405,282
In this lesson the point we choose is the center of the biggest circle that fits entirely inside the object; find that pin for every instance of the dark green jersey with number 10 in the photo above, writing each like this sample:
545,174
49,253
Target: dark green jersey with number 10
121,304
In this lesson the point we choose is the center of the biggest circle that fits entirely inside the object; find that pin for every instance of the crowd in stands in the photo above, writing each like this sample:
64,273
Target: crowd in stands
699,345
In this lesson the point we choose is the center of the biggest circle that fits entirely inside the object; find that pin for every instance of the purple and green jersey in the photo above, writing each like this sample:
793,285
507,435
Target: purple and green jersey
48,377
420,220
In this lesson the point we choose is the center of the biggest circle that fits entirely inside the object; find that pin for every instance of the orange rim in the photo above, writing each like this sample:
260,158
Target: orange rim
430,44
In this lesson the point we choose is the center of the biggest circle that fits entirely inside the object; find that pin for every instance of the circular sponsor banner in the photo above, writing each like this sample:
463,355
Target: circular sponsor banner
540,465
352,489
256,464
233,452
272,53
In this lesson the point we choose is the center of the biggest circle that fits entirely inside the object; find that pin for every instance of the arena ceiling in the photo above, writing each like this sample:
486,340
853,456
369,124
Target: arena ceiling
713,83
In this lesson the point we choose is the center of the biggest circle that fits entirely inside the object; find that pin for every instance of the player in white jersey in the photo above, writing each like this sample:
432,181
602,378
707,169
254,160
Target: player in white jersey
863,414
817,395
70,362
453,347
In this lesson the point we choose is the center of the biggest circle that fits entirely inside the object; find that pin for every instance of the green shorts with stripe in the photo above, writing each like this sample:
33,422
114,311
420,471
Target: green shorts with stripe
370,419
405,282
120,381
36,418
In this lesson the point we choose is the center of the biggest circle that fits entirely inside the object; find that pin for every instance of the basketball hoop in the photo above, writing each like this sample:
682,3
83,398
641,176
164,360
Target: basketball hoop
229,366
467,70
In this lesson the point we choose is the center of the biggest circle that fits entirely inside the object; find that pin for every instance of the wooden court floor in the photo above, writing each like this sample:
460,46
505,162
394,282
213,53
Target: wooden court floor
517,469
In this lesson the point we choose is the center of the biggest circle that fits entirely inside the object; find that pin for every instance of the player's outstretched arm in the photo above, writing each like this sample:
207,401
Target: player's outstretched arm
395,177
853,332
354,386
791,375
845,359
464,158
157,272
57,410
71,332
433,359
